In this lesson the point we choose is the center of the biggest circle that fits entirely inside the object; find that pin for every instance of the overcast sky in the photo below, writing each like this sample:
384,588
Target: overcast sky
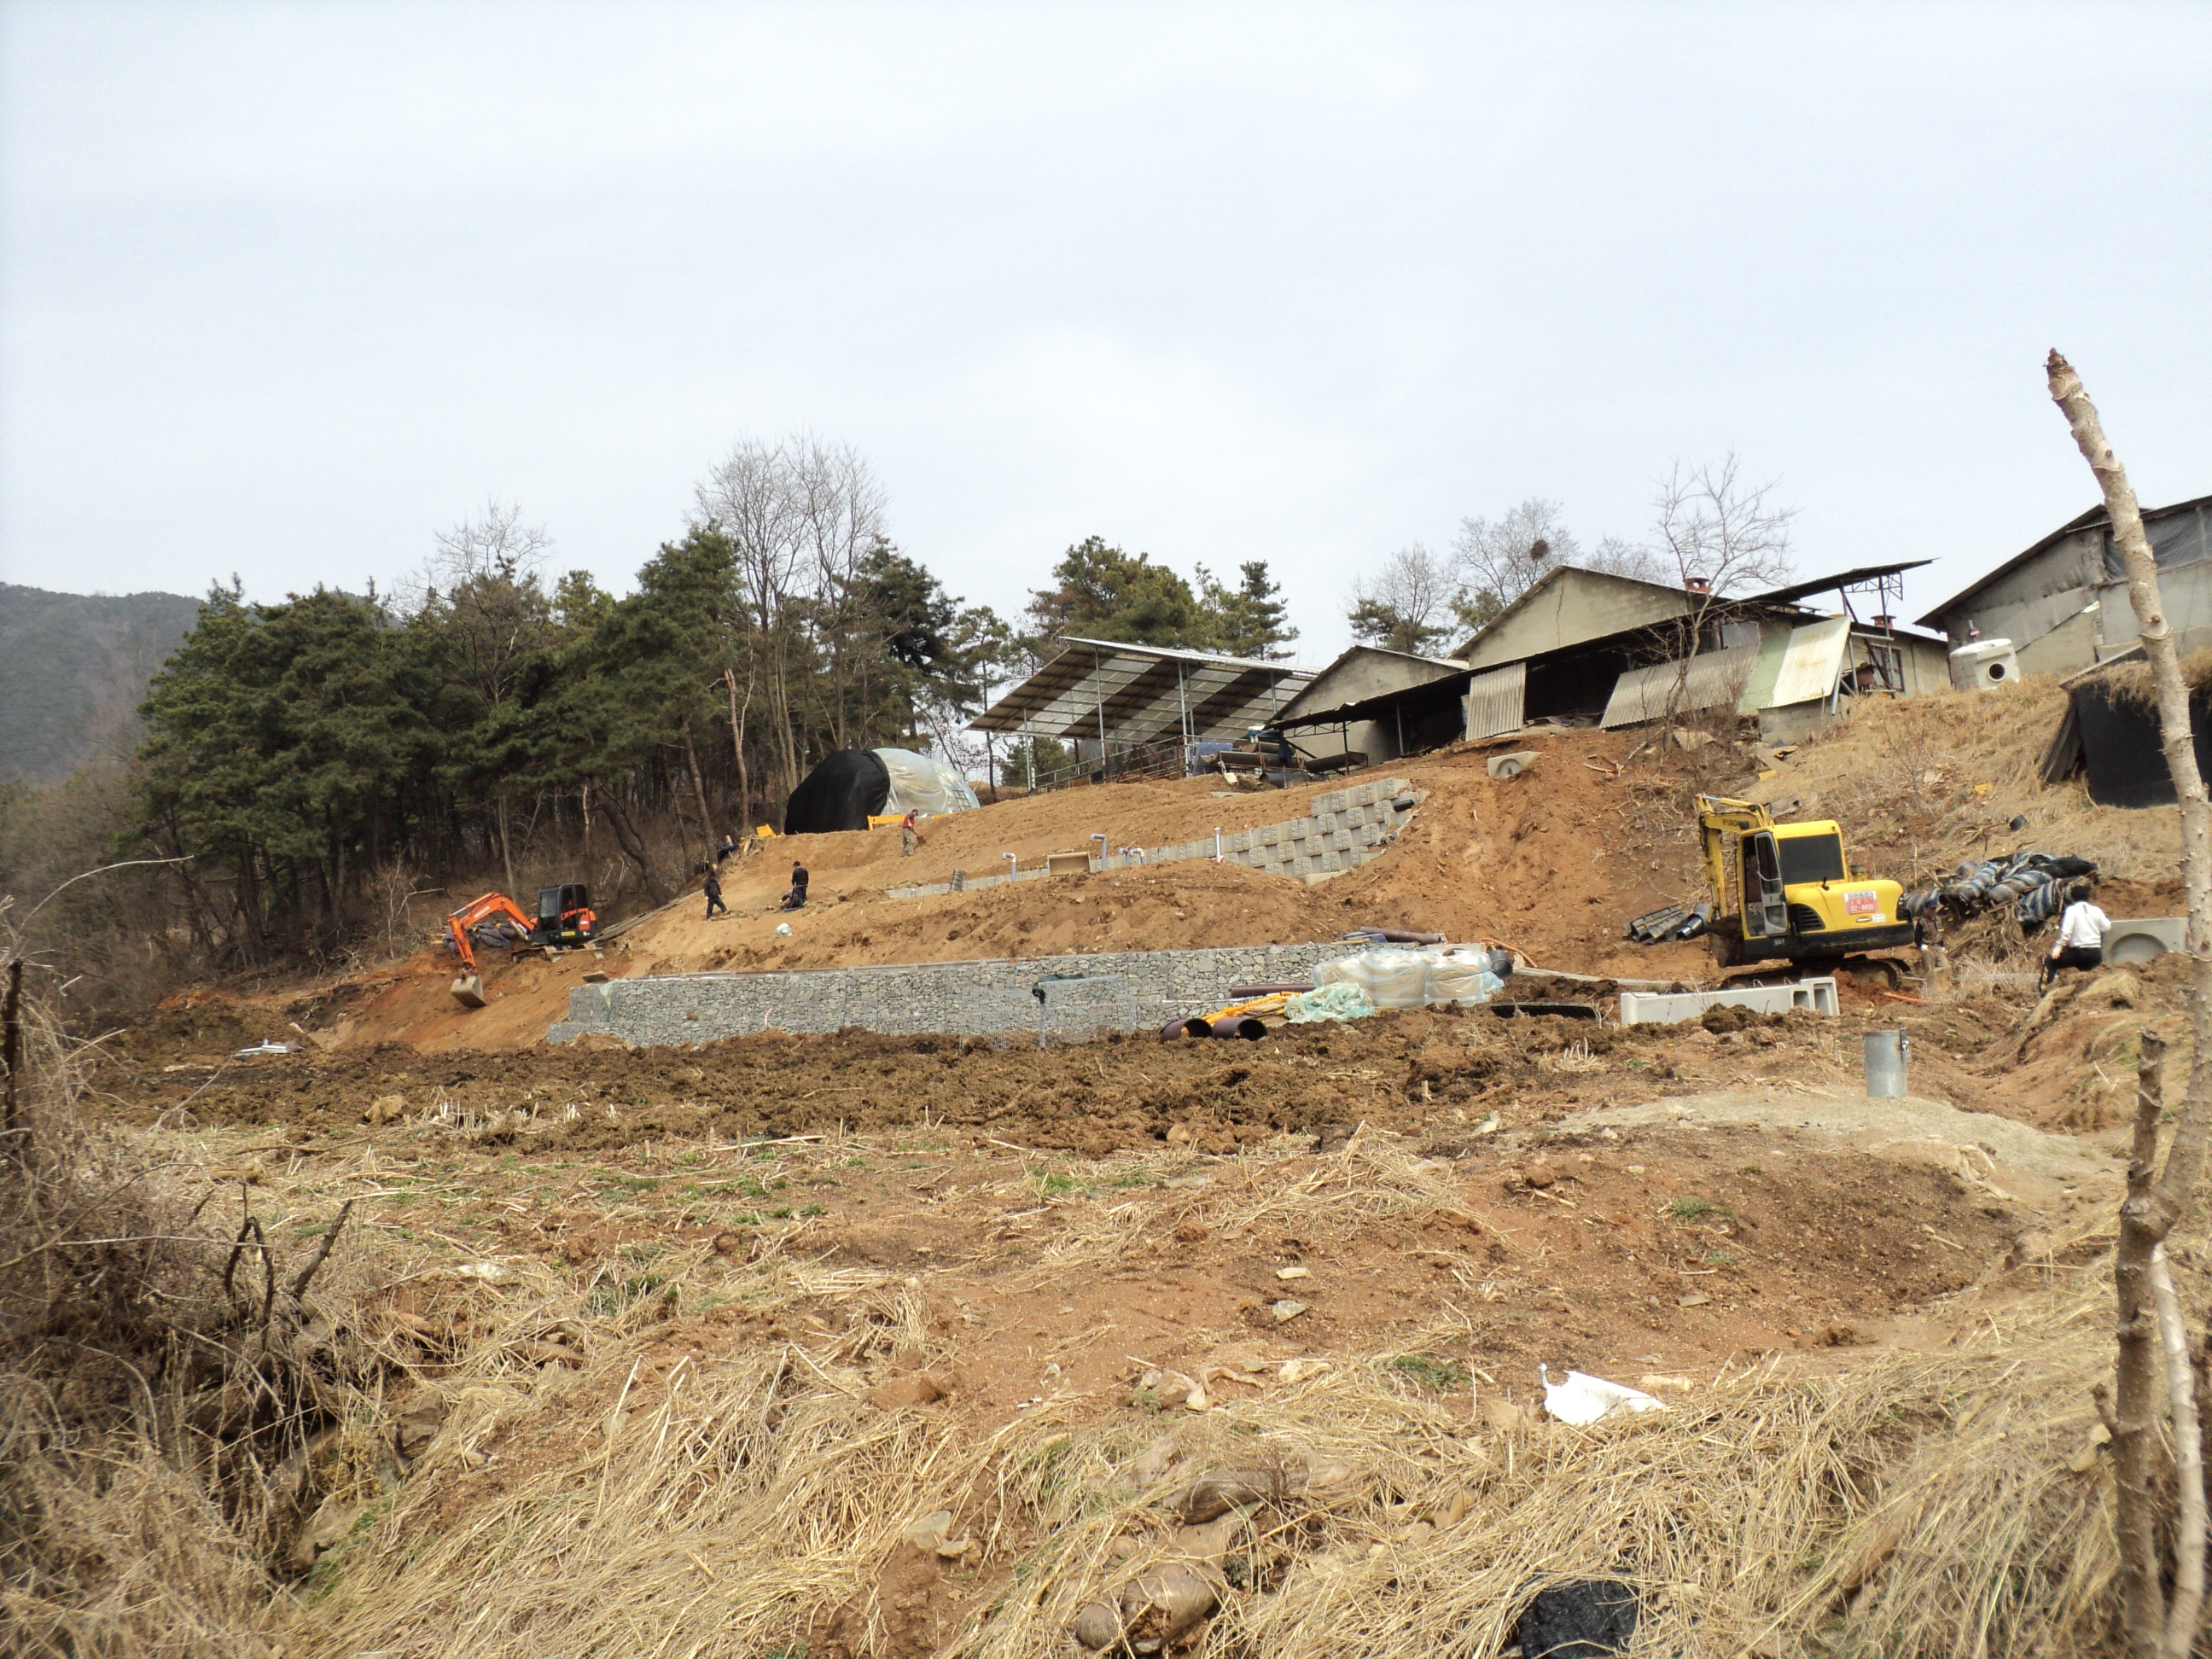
285,290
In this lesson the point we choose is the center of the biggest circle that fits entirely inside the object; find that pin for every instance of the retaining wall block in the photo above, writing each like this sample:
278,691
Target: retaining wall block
1108,991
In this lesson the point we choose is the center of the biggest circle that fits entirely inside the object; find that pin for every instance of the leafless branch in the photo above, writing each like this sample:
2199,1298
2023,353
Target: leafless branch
307,1275
2155,1200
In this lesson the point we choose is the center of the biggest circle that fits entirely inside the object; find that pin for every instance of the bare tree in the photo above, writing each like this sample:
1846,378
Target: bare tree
1500,559
1616,558
1404,604
841,515
1719,533
748,499
2144,1289
488,576
803,515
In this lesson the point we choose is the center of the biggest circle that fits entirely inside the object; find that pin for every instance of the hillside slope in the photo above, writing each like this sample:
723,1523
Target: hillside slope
1552,862
73,670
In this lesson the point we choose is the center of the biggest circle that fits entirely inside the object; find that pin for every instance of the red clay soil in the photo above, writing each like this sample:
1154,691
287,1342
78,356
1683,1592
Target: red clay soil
2064,1062
1552,862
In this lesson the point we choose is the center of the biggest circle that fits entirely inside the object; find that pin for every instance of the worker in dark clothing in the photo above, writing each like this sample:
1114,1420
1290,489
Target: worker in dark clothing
729,846
714,890
796,898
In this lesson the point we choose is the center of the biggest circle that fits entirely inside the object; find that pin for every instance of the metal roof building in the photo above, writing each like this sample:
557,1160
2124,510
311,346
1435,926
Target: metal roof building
1112,693
2063,602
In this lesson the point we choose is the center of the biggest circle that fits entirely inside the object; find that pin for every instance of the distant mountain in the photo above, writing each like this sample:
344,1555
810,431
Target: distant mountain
74,668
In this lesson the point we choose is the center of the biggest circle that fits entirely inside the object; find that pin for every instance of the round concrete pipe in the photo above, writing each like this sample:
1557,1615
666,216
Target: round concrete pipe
1242,1027
1195,1026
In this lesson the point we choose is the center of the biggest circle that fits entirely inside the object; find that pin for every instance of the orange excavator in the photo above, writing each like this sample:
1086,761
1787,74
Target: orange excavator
565,921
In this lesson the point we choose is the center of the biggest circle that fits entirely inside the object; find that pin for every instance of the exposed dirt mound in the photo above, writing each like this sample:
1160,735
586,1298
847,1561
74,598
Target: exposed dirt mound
1925,783
1552,862
910,1346
2066,1063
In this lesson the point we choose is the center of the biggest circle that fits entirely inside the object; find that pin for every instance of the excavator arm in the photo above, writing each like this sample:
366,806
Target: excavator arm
1719,818
467,988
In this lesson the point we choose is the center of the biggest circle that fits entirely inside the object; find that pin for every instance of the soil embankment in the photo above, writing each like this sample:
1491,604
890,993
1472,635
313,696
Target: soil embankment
905,1347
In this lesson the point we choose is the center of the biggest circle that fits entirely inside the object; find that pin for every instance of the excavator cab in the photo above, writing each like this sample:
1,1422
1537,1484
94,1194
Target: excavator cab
564,915
1765,910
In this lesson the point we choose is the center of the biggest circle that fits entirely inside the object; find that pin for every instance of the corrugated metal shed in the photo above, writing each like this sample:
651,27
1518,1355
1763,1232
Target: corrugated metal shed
1135,694
2179,534
1365,679
1713,679
1495,700
1810,663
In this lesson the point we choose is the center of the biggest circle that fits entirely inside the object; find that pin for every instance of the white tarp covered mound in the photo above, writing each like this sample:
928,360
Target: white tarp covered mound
921,784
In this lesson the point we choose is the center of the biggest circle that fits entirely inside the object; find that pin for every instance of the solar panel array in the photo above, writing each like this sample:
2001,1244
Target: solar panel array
1136,694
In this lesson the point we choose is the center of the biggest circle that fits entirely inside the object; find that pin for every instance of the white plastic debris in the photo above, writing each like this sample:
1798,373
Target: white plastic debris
1584,1399
1393,977
491,1273
783,930
261,1048
1339,1000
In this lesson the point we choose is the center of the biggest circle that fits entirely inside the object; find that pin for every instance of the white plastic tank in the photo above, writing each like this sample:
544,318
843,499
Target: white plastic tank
1984,665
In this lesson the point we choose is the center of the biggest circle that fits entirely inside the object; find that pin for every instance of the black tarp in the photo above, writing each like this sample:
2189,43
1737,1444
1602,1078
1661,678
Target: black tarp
2120,749
838,794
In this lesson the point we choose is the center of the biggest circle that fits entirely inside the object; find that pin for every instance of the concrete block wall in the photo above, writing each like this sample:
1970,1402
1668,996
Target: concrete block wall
1082,996
1342,829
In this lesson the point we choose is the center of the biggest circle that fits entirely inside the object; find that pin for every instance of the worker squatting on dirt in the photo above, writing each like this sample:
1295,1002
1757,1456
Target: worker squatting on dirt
2081,930
906,836
714,891
796,898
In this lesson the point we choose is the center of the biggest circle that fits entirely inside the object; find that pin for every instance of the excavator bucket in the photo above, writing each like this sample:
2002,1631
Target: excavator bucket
469,992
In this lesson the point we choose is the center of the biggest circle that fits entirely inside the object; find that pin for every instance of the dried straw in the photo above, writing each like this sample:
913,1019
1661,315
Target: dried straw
1916,1504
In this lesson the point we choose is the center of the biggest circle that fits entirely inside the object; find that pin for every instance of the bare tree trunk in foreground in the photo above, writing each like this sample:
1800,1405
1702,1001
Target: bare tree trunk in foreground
2155,1630
737,744
11,1056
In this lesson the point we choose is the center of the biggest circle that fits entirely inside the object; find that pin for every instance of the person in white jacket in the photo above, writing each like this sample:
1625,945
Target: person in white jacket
2081,930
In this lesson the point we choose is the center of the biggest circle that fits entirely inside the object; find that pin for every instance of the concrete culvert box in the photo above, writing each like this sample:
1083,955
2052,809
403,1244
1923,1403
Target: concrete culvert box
1816,996
2144,939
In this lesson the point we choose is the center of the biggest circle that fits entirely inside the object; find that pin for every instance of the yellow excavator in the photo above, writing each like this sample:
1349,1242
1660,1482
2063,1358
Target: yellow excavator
1797,898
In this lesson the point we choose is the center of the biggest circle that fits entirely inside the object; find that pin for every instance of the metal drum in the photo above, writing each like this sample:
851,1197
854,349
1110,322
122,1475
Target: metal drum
1886,1053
